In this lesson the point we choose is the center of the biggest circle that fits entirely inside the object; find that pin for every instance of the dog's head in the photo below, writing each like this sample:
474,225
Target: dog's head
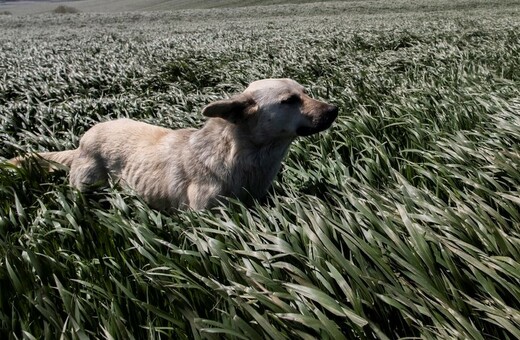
274,109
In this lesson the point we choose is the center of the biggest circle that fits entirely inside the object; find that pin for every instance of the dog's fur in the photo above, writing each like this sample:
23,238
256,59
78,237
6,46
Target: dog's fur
237,153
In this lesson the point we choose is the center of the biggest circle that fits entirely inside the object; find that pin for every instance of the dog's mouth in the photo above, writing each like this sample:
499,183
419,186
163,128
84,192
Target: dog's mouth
323,123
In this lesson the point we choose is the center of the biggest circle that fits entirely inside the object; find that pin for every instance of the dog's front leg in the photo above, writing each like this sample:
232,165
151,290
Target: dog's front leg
203,195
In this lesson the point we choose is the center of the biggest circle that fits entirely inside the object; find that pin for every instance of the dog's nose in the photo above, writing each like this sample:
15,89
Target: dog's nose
332,111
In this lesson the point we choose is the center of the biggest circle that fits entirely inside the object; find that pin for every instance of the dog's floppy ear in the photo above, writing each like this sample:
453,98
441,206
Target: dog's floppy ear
232,109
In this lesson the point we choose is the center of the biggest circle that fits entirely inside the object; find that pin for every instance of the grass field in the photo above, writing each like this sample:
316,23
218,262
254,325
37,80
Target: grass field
103,6
401,221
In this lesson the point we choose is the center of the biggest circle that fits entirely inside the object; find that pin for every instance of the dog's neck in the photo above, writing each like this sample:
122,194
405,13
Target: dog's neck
229,153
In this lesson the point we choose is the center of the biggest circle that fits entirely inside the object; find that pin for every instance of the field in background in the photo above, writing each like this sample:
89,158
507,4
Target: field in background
346,6
102,6
402,220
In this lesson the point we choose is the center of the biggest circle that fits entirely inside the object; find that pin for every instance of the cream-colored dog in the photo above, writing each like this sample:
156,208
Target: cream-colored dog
237,153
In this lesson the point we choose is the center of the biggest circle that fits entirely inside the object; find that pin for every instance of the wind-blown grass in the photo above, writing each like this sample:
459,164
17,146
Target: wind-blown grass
403,220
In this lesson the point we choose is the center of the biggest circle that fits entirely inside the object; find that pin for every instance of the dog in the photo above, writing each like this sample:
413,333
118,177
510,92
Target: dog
237,153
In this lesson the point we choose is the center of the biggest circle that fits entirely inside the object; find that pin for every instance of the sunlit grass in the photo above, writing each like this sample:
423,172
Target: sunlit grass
402,220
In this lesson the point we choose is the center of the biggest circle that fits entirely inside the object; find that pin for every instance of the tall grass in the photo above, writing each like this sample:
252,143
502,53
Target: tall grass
402,220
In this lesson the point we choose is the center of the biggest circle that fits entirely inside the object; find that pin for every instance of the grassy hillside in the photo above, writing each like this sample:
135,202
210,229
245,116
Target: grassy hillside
101,6
337,7
402,220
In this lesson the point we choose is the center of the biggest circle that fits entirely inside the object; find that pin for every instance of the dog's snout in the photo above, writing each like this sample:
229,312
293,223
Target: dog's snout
332,111
330,114
321,120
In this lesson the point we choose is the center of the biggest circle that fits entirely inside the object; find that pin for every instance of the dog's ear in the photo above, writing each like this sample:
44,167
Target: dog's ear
233,109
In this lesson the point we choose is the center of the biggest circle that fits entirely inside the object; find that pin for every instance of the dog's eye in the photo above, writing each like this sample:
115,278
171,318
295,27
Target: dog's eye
291,99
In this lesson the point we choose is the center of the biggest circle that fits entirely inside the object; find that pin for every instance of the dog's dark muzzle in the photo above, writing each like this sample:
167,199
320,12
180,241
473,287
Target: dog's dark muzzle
322,122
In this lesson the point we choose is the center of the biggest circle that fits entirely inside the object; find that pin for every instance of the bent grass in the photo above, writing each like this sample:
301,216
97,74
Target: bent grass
401,221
